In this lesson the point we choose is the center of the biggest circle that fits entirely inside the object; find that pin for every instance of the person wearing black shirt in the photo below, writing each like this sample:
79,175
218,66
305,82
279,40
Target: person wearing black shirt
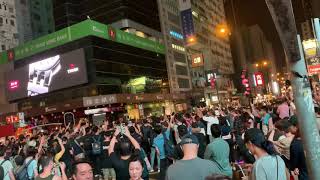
298,160
121,163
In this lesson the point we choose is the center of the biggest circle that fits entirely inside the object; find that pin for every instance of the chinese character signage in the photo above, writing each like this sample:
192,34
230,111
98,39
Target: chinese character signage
258,79
197,60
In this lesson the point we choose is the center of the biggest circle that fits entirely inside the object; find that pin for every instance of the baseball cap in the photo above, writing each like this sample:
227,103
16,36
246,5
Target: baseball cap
189,139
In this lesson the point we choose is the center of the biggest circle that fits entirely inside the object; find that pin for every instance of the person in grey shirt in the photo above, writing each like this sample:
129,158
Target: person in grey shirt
191,167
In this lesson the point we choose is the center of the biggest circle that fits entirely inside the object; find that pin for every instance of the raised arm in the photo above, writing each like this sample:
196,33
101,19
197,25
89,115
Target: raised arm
113,141
133,141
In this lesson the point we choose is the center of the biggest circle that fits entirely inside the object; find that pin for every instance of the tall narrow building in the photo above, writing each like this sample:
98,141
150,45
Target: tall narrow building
8,26
177,64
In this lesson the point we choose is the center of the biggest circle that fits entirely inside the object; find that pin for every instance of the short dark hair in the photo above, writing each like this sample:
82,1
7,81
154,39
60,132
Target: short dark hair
45,160
217,177
158,129
215,130
135,158
75,164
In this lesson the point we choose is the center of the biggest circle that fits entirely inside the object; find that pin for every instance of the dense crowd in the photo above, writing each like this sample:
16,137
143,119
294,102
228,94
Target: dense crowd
262,140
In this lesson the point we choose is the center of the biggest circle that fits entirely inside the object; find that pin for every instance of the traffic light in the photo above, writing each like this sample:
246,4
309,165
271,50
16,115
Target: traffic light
245,83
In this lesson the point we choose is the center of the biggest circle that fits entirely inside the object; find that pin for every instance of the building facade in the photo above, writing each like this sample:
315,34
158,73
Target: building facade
8,25
259,57
176,57
212,45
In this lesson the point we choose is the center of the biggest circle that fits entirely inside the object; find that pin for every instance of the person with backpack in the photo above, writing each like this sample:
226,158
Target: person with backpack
162,144
96,153
6,167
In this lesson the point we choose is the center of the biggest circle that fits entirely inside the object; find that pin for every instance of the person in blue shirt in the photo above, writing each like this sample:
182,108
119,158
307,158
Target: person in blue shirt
158,143
266,120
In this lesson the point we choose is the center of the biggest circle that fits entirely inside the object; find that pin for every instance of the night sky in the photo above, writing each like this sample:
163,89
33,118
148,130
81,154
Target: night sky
250,12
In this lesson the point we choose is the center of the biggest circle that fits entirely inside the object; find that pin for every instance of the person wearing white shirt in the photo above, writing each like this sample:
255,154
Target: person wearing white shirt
210,119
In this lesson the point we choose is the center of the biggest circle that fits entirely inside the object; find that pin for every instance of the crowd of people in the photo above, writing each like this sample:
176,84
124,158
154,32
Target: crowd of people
263,141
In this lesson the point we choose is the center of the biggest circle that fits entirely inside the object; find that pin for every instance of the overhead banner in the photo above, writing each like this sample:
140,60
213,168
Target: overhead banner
75,32
283,18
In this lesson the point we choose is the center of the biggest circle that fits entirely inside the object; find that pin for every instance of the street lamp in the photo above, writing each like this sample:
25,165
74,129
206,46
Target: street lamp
257,65
265,63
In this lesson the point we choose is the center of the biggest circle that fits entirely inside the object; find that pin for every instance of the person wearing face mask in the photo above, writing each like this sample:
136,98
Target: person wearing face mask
268,165
121,163
135,168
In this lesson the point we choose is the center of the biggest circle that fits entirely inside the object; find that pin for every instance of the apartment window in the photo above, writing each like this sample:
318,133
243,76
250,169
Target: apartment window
1,21
181,70
23,2
183,83
5,7
0,6
11,9
6,21
12,22
3,47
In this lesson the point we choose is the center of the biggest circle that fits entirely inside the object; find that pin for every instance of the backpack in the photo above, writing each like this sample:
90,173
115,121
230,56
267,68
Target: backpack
22,172
2,174
168,147
96,146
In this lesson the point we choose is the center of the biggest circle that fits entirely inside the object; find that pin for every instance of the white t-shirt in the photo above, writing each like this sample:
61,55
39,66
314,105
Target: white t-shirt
210,120
7,166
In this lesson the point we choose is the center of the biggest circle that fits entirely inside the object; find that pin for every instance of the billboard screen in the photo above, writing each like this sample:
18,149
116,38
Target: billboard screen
47,75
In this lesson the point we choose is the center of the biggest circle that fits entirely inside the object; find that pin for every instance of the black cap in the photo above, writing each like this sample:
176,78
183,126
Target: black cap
189,139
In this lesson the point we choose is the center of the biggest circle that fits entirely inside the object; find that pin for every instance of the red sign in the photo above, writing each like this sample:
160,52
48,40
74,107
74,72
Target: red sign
12,119
13,84
258,77
112,33
10,55
314,69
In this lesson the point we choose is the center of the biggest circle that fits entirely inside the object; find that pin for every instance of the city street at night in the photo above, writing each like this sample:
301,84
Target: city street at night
159,90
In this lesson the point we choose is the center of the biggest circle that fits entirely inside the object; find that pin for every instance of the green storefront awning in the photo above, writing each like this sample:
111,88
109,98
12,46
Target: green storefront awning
75,32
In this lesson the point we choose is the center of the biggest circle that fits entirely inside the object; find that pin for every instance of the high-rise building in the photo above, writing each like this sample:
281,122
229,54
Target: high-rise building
8,25
42,21
259,54
23,20
212,45
177,64
68,12
34,19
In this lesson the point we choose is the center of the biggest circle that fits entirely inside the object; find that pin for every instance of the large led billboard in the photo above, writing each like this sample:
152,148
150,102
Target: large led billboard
47,75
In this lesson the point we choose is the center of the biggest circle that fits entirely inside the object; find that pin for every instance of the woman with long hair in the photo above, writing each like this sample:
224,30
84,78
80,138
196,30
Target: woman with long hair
268,165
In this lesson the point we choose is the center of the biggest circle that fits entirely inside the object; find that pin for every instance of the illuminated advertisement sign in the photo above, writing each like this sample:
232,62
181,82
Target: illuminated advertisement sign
258,79
186,18
46,75
310,48
197,60
314,69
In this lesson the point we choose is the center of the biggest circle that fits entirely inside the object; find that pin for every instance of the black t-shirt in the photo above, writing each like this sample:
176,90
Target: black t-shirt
66,157
297,157
121,166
